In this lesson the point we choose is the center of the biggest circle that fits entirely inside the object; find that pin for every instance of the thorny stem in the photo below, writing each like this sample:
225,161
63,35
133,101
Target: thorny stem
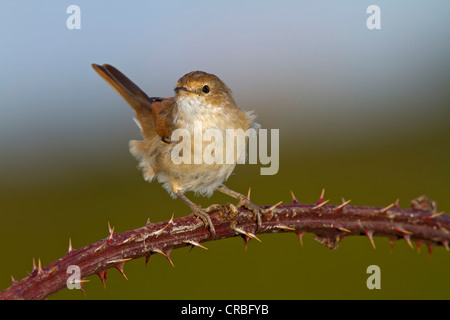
329,223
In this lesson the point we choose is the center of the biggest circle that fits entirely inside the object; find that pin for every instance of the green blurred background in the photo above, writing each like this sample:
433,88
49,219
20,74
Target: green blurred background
362,113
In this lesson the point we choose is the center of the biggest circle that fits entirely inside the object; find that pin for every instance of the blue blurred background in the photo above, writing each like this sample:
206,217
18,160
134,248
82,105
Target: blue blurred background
363,113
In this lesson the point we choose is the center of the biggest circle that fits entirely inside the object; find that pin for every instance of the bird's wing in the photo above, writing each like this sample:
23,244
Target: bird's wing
153,114
162,117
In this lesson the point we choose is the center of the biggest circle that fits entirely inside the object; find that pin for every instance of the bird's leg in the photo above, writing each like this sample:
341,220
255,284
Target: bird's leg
200,212
245,202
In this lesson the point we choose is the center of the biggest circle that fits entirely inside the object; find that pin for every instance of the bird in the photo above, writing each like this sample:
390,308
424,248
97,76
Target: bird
200,97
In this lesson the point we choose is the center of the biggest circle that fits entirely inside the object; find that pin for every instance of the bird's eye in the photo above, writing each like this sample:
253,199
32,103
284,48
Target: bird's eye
205,89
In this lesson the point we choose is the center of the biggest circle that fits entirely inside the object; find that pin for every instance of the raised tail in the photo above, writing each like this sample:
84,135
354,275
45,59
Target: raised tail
132,94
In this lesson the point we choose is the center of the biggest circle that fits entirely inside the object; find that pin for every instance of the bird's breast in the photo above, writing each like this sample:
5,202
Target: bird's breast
192,111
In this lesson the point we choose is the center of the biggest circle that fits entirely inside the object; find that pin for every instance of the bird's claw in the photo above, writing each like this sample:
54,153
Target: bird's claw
204,216
245,202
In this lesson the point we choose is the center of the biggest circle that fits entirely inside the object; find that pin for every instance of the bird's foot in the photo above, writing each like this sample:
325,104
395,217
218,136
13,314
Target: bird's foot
244,202
203,214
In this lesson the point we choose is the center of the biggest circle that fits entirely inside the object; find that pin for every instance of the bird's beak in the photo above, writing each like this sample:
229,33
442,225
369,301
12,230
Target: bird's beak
178,89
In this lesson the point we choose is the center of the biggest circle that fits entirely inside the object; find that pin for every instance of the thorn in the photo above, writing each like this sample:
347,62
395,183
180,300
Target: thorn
119,265
403,231
34,264
100,247
246,240
195,243
245,233
147,257
81,287
435,215
430,249
81,281
111,233
321,197
445,244
128,239
70,246
317,206
392,242
120,268
39,267
340,228
418,243
294,199
396,205
344,203
249,191
166,254
253,236
369,234
102,276
385,209
51,271
300,237
284,227
119,260
158,233
148,222
13,280
407,237
274,206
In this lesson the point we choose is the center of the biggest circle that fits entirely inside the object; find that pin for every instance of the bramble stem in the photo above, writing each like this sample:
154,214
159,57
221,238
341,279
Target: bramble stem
329,223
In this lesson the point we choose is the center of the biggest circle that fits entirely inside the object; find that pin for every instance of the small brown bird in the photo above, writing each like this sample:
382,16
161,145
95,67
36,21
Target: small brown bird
199,96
